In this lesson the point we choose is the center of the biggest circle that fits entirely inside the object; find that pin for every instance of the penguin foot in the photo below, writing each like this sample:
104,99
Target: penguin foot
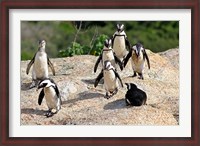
107,96
49,114
141,76
115,92
134,75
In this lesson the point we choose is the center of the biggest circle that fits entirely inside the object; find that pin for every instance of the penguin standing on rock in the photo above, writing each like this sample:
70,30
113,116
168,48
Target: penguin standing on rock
110,76
40,64
138,56
120,42
135,96
52,95
108,54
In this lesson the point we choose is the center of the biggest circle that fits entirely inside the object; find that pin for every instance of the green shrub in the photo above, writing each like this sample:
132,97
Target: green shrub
98,45
78,49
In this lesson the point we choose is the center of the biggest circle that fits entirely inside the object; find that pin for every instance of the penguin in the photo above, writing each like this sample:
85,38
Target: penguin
108,54
135,96
40,63
120,42
110,76
52,95
138,56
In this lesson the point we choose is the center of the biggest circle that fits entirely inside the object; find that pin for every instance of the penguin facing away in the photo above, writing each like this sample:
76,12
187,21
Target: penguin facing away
40,63
135,96
110,76
52,95
138,56
120,42
108,54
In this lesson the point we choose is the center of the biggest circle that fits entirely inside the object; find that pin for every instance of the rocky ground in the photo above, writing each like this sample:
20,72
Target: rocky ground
85,105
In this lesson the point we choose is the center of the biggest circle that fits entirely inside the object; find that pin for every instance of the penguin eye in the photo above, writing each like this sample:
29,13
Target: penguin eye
44,84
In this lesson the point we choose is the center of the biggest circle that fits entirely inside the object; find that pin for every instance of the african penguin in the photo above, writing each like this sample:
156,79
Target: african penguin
110,76
40,63
120,42
52,95
135,96
108,54
138,56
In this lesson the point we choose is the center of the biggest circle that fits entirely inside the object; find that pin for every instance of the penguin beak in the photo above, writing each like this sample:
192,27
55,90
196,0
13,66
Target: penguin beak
41,86
137,52
38,87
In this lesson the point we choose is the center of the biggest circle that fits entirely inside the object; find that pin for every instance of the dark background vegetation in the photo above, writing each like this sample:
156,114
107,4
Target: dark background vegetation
67,38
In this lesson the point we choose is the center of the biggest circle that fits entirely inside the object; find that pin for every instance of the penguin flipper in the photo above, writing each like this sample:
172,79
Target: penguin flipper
41,96
57,91
147,58
99,77
51,66
97,63
125,60
112,39
117,75
118,61
128,44
30,64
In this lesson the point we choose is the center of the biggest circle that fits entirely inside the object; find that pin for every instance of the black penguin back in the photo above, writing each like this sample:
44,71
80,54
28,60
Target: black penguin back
135,97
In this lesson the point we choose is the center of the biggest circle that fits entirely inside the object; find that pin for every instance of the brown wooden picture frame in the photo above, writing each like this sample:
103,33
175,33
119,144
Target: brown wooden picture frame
6,5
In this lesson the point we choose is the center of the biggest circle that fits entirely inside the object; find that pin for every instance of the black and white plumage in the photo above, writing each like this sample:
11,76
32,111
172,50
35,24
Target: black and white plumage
135,96
110,76
52,95
120,42
108,54
40,63
138,55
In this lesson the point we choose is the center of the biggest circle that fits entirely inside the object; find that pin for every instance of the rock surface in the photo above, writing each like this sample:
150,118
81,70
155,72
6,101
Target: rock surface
85,105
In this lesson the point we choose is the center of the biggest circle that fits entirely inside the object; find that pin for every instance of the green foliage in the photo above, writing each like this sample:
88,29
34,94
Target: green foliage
74,49
98,45
25,55
78,49
89,39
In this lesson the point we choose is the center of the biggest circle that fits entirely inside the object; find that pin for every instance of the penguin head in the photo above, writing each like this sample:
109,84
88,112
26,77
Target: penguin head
42,43
120,28
108,65
138,49
108,43
45,83
131,86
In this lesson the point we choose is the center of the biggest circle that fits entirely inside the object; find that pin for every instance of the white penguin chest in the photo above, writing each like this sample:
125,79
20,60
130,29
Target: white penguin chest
41,65
108,55
119,46
137,63
51,97
110,80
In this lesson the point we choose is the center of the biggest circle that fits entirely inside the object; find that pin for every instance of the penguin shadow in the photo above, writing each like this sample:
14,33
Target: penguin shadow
32,111
91,81
84,96
25,86
117,104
